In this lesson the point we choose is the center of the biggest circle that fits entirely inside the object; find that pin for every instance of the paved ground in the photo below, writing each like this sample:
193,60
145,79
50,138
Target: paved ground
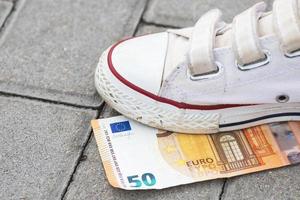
48,52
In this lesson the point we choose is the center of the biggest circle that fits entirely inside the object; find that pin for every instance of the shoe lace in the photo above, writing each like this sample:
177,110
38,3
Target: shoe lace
245,40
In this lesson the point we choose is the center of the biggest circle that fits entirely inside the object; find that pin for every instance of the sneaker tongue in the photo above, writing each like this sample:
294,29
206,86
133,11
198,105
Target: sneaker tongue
179,42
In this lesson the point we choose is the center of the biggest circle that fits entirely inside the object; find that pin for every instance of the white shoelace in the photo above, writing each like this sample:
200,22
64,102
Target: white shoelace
245,42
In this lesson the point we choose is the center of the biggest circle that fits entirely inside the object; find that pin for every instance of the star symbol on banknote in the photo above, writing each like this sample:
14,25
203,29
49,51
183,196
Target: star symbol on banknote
180,162
170,149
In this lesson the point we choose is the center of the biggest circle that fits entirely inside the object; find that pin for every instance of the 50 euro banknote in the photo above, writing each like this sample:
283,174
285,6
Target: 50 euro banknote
137,157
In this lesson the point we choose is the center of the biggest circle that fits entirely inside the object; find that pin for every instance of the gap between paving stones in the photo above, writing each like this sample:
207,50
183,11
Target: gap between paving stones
50,101
105,111
223,189
8,22
80,157
6,15
141,17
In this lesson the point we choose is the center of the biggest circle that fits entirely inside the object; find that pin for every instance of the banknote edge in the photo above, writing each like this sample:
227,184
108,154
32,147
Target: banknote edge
104,155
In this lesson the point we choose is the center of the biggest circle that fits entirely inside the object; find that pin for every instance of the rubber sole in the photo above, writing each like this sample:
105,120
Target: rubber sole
168,117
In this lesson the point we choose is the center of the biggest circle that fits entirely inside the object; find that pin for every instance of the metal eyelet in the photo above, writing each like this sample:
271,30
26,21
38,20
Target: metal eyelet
208,75
283,98
259,63
292,54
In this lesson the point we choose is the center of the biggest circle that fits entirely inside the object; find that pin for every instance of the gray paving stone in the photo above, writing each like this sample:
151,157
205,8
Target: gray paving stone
53,47
147,29
5,8
185,13
90,183
278,184
40,144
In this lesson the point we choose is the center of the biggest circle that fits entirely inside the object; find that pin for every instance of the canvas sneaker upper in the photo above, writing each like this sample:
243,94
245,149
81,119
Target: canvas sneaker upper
254,60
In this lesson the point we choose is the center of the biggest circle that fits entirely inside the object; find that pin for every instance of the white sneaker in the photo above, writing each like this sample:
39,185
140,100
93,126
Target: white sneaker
212,77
